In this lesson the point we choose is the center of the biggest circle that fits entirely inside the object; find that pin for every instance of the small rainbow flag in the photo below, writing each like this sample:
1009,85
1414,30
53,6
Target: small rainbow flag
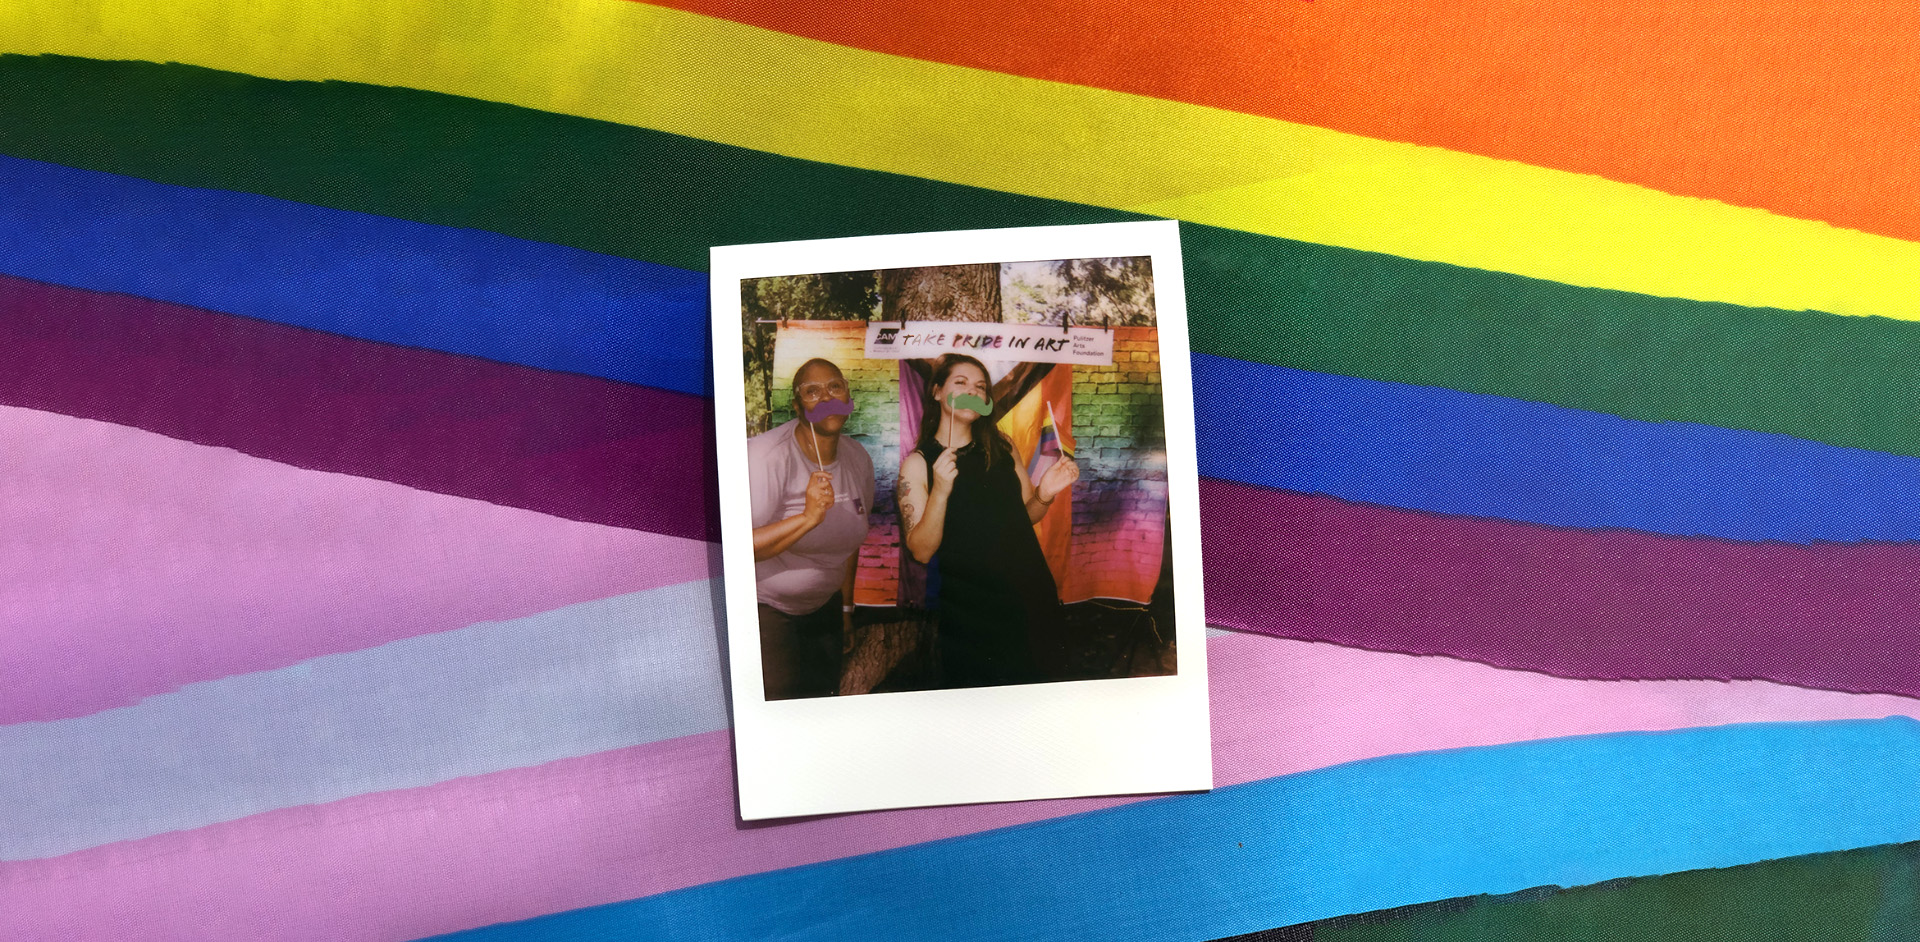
1054,442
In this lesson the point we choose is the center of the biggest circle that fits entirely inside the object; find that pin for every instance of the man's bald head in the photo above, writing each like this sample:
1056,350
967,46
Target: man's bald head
816,370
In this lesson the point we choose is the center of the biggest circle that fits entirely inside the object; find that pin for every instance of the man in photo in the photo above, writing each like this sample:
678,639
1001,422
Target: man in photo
812,491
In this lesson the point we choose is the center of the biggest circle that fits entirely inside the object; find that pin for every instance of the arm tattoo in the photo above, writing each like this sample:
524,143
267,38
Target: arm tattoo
908,512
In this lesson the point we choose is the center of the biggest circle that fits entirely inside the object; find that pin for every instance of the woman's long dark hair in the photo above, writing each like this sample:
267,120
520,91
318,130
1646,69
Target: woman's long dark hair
984,429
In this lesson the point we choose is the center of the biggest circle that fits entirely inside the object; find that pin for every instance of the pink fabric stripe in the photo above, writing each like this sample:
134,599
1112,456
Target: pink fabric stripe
135,563
521,843
1607,604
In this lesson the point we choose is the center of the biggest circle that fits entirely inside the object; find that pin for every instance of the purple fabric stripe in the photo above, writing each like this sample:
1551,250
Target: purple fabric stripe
1600,604
1573,603
572,446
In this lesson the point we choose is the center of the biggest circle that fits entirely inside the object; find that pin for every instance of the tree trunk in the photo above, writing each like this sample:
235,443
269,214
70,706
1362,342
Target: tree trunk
942,293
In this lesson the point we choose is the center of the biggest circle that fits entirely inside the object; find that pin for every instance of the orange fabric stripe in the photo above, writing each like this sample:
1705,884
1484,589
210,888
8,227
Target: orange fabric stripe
1800,109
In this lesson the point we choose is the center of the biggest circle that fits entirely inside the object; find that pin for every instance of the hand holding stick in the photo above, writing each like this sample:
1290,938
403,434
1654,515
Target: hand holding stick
819,496
1058,478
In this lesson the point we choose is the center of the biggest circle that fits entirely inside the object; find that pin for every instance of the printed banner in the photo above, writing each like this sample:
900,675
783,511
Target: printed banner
1036,343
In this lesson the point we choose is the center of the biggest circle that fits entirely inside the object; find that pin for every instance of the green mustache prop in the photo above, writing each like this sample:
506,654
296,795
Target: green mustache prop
969,401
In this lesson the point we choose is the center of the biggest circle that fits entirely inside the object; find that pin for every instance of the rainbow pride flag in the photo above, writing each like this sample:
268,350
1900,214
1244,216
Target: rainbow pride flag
1049,448
1554,379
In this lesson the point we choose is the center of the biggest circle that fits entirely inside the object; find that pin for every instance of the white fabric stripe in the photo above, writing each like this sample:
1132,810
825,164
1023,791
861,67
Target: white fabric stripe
590,677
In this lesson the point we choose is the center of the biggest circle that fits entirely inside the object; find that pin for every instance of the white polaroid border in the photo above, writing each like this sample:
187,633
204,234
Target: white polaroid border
1051,740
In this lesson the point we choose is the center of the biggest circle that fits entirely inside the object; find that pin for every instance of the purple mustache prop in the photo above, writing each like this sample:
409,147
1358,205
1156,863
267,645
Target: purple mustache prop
826,407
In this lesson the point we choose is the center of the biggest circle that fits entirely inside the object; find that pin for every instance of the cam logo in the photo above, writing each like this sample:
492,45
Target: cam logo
886,335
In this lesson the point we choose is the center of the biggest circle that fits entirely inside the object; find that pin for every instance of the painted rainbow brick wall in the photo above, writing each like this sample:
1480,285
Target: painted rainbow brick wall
1120,504
1119,507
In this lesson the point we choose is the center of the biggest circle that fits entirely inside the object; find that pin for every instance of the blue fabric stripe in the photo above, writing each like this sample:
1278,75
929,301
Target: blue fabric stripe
474,292
1440,450
458,290
1370,835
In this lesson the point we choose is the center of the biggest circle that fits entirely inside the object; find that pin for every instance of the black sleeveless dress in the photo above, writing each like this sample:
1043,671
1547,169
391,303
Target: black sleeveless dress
999,608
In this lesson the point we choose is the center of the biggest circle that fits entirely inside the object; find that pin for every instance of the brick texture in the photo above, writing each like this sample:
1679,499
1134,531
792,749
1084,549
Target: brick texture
1120,504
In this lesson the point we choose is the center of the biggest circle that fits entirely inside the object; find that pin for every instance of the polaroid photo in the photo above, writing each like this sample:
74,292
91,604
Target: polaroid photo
960,518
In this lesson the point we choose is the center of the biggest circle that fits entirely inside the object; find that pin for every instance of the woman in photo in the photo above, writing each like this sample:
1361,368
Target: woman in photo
965,498
812,491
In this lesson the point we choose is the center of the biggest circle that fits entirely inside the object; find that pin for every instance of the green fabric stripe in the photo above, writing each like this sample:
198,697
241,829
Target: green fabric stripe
1842,380
456,161
662,198
1864,895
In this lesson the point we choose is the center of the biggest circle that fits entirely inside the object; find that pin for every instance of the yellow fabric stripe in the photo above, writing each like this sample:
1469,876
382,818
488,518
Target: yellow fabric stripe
686,74
1444,206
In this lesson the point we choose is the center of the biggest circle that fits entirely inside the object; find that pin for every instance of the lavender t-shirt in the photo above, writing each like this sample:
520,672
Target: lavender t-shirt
779,462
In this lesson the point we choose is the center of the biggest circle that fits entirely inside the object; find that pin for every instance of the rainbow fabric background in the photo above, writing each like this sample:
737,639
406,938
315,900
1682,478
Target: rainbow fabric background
1555,368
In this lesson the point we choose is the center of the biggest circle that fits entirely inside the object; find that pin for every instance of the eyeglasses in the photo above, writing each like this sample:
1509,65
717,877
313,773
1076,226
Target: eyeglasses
837,389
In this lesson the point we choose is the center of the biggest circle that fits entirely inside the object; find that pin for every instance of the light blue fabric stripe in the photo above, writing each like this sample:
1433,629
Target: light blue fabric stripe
590,677
1353,838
